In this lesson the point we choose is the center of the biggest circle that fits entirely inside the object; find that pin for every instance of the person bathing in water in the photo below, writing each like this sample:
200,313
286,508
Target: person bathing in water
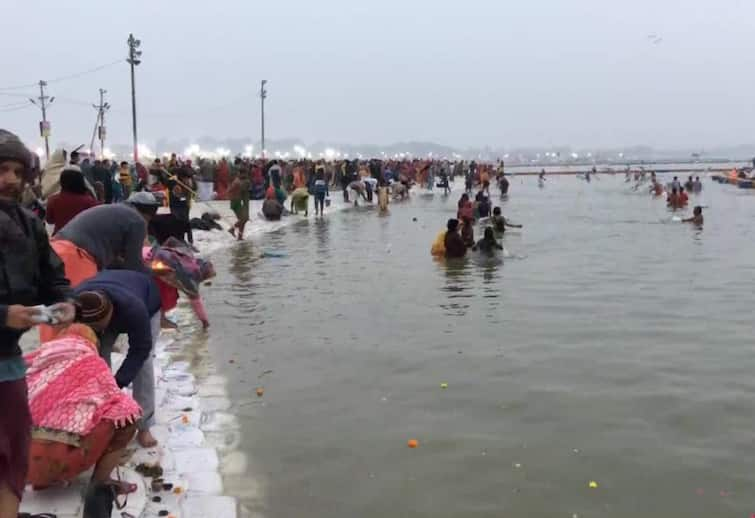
503,185
488,243
677,199
321,190
465,209
697,216
656,189
453,243
482,202
238,193
500,223
467,232
683,198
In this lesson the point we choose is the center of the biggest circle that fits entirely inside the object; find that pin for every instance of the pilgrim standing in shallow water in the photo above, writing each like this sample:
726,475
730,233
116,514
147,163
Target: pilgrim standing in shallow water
239,196
453,243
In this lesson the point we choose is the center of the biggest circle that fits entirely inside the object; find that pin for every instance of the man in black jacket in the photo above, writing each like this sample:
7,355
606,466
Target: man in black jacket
31,274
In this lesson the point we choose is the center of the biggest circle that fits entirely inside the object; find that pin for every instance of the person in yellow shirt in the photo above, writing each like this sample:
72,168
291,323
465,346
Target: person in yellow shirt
125,179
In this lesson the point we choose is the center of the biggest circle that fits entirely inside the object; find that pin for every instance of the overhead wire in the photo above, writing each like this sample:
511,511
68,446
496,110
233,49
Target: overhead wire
70,100
26,96
12,105
85,72
16,108
65,77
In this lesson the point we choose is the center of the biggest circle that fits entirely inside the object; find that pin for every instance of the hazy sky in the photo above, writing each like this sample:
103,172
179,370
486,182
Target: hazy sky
462,73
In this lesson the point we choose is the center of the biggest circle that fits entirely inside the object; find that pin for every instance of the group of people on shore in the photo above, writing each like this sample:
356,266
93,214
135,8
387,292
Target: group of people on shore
103,273
284,186
364,180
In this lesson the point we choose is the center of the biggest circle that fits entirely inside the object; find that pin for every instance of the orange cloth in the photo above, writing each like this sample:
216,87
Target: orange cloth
79,266
52,462
299,181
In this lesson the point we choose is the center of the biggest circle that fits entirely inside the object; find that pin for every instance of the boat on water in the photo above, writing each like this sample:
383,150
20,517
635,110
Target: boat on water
735,178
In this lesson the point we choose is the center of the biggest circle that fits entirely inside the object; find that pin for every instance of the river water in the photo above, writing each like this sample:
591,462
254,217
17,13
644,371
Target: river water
613,346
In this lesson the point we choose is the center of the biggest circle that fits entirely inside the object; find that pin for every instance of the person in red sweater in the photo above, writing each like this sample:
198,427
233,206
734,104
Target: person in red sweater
74,197
683,198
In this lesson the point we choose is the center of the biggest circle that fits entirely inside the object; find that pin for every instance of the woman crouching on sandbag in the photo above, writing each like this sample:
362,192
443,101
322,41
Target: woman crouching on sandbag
81,419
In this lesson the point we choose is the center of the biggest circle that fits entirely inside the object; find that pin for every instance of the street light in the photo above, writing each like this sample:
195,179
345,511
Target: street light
263,96
134,59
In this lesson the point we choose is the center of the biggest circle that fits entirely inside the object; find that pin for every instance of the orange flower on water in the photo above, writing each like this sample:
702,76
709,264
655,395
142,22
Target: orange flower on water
412,443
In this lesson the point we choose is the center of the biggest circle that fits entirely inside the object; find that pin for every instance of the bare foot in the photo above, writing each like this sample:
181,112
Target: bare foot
232,231
145,439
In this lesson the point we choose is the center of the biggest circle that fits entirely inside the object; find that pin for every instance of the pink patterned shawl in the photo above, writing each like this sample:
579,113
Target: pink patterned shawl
71,389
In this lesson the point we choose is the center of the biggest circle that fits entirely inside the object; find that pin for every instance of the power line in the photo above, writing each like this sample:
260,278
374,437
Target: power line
66,77
17,95
85,72
16,108
13,105
70,100
19,87
189,112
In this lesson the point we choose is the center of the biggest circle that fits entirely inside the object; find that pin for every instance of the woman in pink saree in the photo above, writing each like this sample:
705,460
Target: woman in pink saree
80,416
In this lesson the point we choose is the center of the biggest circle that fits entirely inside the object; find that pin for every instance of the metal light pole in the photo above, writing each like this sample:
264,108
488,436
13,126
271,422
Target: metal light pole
263,95
134,59
44,126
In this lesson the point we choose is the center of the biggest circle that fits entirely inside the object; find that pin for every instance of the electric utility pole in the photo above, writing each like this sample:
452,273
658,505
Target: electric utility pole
44,125
101,130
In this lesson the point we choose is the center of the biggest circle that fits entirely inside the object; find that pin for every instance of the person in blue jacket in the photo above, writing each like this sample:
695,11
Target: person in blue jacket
116,302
